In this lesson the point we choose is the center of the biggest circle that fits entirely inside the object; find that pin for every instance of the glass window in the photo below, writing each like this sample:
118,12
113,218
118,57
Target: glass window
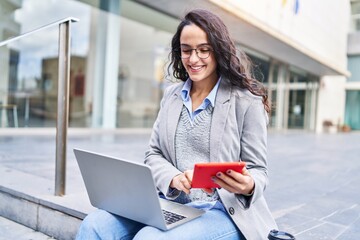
353,66
297,76
273,108
117,63
143,55
355,7
31,63
355,12
260,68
27,62
275,73
296,108
352,110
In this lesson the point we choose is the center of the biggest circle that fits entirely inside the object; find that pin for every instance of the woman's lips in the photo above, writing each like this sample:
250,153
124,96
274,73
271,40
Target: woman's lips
196,68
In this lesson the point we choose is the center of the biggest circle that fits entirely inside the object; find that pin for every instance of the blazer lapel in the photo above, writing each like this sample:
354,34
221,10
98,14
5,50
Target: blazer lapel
221,109
174,111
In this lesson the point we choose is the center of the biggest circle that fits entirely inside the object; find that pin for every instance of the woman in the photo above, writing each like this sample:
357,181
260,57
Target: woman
218,113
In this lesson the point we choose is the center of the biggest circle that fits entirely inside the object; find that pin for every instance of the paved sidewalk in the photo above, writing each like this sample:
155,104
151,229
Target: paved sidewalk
314,179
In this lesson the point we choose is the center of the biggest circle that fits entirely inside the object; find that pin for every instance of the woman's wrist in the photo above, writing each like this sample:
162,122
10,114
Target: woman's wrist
251,192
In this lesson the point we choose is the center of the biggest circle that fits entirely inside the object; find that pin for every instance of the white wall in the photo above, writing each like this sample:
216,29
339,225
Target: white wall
331,101
320,26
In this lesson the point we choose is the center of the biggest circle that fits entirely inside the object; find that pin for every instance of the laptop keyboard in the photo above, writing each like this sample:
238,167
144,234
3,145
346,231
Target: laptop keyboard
171,217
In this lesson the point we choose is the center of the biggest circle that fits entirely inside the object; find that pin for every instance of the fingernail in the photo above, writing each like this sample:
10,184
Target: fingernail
228,172
218,174
213,178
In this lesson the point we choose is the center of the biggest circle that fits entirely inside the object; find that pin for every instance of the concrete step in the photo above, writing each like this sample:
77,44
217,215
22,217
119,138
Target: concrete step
29,200
11,230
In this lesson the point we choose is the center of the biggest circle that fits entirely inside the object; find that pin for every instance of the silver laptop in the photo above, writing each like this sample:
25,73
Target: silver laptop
127,189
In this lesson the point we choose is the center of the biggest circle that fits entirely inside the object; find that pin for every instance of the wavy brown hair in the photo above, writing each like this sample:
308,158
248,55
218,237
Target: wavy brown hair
238,70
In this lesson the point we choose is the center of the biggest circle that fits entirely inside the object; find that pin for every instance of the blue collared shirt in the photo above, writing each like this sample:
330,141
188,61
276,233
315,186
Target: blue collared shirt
210,99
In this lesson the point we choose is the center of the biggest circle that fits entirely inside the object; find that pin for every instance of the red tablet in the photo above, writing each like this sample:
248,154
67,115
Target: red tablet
204,171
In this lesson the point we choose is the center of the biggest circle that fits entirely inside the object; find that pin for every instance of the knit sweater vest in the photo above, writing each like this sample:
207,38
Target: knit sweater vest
192,145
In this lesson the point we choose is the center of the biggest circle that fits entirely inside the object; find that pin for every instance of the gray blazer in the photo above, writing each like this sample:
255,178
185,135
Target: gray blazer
238,131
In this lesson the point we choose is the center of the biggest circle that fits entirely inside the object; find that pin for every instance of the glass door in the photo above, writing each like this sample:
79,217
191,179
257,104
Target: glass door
297,99
296,109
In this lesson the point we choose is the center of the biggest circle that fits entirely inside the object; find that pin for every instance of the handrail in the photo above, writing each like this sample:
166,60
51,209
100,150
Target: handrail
62,121
72,19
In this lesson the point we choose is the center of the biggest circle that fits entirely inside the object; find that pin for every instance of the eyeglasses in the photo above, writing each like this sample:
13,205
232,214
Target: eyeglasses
202,52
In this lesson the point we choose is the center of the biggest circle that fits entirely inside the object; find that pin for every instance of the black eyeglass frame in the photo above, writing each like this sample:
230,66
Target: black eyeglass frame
196,51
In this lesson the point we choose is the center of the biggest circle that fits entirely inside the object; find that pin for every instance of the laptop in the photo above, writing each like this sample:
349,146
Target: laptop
127,189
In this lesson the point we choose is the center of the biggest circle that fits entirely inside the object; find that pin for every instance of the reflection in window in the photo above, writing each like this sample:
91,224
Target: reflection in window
296,109
352,111
273,108
143,54
298,78
353,65
260,68
355,18
31,82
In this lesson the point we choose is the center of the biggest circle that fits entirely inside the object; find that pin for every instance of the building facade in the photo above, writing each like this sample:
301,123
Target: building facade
352,111
120,56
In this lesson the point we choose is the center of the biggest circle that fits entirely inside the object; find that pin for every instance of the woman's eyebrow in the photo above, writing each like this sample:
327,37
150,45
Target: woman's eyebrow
199,45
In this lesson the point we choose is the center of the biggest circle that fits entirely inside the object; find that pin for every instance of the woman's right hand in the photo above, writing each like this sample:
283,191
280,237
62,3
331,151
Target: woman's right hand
182,181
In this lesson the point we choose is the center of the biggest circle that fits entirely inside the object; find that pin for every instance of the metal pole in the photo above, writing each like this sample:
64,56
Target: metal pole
62,107
63,96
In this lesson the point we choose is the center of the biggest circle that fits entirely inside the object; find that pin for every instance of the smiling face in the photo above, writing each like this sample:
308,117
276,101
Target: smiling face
193,37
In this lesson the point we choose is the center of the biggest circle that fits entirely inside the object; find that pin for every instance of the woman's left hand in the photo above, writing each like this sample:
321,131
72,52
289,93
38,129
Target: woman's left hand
235,182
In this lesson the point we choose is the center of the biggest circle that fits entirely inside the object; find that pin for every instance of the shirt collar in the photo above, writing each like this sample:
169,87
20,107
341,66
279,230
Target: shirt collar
185,92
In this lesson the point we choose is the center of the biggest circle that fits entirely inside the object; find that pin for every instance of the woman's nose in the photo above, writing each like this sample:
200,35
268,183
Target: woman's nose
193,56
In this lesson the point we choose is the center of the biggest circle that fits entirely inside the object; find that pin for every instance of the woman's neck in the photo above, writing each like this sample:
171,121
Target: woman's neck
202,87
199,91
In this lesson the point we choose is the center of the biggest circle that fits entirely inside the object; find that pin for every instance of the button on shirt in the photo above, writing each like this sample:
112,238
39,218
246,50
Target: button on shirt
210,99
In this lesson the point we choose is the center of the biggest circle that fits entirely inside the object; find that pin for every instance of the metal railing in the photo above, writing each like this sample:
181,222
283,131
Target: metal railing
62,120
